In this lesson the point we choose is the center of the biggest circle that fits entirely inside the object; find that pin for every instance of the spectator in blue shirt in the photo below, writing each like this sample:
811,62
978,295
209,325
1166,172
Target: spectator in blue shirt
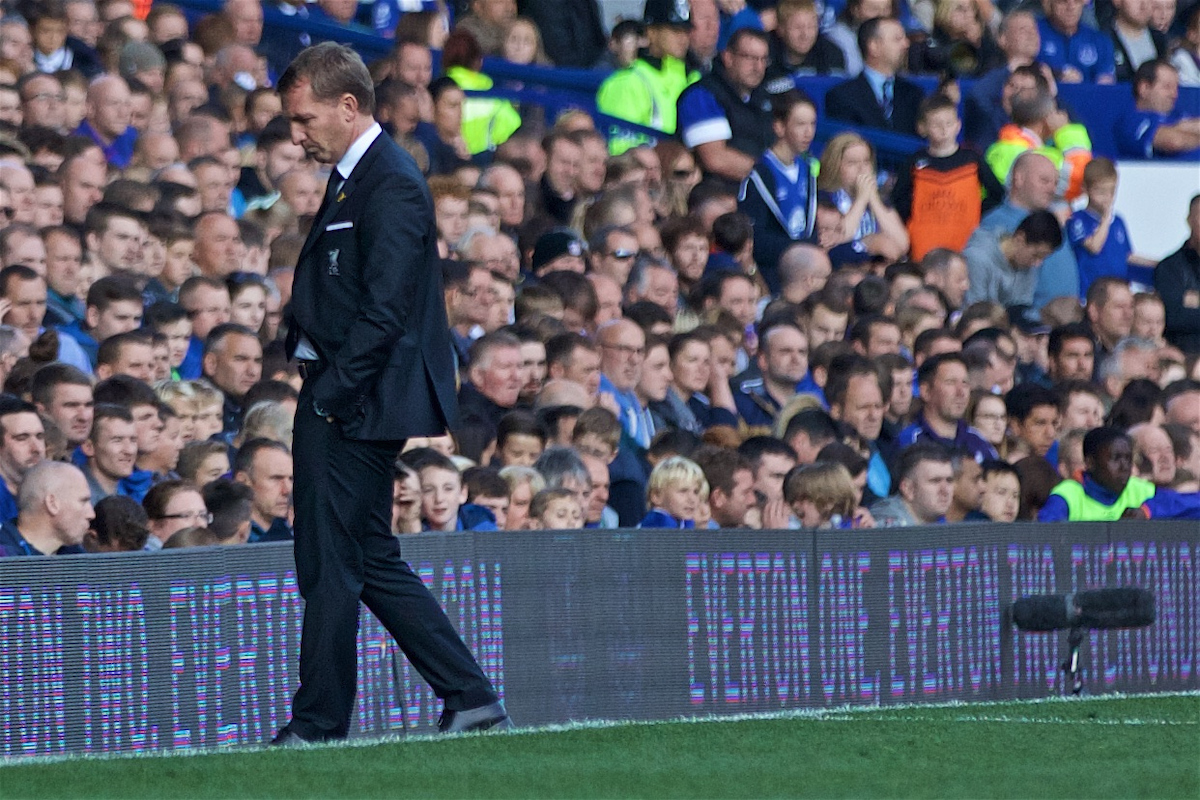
1155,127
1097,235
55,512
1076,52
946,390
22,447
109,112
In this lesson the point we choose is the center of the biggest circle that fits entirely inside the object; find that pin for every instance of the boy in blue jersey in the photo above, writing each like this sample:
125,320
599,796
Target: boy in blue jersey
780,195
1098,236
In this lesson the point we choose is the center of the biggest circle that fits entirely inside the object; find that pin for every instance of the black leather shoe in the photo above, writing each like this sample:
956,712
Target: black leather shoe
483,718
289,738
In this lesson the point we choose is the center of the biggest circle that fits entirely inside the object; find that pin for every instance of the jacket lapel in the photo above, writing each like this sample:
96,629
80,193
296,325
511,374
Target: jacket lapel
338,200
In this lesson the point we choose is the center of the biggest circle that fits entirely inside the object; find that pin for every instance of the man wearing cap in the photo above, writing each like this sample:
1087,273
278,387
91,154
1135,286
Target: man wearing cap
558,249
647,90
1033,338
107,120
144,61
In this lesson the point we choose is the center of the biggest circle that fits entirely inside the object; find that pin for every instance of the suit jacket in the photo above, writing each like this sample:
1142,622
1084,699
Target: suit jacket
853,101
368,294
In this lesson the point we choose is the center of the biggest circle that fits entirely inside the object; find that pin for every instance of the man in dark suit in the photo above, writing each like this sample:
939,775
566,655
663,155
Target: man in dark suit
369,327
878,97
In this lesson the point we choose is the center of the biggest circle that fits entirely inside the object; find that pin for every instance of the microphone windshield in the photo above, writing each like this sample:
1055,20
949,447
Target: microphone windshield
1097,609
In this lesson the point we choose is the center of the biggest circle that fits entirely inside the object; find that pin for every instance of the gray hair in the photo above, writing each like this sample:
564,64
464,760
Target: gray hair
332,70
1114,365
557,464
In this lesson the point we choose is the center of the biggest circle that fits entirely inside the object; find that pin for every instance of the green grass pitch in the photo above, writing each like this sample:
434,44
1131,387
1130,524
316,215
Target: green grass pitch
1103,747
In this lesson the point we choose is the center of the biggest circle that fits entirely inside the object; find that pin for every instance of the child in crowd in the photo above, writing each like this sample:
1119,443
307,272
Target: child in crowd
821,495
523,43
848,179
780,196
556,510
444,504
627,38
520,440
677,488
210,410
1098,235
485,488
1001,493
943,190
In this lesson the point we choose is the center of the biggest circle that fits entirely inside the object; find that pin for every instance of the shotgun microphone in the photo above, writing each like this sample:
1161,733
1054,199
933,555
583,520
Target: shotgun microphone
1098,609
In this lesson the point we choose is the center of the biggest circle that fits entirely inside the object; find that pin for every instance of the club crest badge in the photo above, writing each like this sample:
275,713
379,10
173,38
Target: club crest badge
333,261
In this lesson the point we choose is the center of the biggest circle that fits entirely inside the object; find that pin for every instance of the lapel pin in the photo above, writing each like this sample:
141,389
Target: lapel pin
341,197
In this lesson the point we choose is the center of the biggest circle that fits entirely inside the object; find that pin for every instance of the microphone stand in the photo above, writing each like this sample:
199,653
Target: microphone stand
1071,665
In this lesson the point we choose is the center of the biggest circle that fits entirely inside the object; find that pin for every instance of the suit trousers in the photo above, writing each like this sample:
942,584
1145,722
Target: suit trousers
346,552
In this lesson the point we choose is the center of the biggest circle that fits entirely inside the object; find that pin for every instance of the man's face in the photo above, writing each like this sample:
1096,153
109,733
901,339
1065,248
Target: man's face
1112,466
622,350
109,107
476,300
1154,445
75,512
1021,39
247,20
499,378
28,250
883,339
83,22
584,368
24,444
825,326
785,356
271,479
1161,95
121,316
890,46
119,246
1075,361
280,160
741,498
498,253
1184,409
948,393
28,299
1064,14
592,163
114,448
662,289
617,259
768,478
598,471
1001,497
43,98
212,182
16,44
656,376
136,360
323,129
1028,256
219,249
799,31
510,188
414,65
740,299
747,63
1039,429
208,307
1035,183
1113,320
562,166
236,365
47,206
968,485
82,189
863,406
71,409
533,368
19,183
954,281
929,490
1084,411
451,214
149,426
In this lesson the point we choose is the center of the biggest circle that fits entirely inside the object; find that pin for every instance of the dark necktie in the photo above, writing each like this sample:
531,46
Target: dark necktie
331,188
889,88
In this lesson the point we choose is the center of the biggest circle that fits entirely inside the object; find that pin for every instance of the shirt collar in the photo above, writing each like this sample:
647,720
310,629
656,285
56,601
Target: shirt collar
876,81
357,150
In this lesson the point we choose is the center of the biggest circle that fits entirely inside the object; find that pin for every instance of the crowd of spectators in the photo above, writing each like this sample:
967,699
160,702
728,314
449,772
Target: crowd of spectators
716,329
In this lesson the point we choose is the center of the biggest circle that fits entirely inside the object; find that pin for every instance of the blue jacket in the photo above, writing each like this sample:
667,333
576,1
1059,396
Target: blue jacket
657,518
